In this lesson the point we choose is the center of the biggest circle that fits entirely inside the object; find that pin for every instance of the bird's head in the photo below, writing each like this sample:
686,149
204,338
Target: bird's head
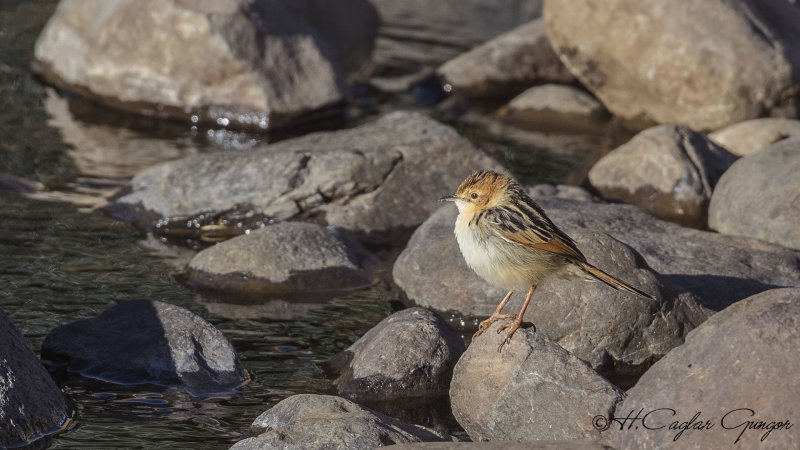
481,190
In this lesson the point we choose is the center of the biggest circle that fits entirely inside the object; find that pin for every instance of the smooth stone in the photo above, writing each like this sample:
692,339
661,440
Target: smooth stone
747,137
378,180
554,106
410,354
703,65
759,196
506,65
668,170
289,258
312,421
739,359
170,347
240,63
533,390
31,405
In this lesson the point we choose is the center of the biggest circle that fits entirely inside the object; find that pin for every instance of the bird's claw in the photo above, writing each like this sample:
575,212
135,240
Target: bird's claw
492,319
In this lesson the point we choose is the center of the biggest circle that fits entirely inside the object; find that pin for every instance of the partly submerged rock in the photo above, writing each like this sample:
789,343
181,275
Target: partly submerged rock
556,107
750,136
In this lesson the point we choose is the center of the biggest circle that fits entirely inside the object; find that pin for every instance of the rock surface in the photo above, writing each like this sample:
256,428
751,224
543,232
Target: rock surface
533,390
668,170
734,363
145,341
379,180
326,422
750,136
31,405
704,65
759,196
553,106
506,65
409,354
241,62
285,258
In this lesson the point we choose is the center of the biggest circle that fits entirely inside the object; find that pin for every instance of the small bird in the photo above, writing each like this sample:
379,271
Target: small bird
507,239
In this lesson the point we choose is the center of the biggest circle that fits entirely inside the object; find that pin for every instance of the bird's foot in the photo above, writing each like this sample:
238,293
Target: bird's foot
492,319
514,326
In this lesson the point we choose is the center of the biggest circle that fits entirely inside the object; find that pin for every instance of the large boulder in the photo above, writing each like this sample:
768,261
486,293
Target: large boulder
654,61
531,391
668,170
145,341
290,258
759,196
31,405
326,422
379,180
735,372
750,136
506,65
408,354
238,62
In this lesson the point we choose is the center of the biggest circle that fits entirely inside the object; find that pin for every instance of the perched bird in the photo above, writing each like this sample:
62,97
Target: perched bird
507,239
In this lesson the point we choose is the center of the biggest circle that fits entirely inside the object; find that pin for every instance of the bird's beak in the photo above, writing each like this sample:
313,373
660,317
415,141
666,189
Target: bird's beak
450,198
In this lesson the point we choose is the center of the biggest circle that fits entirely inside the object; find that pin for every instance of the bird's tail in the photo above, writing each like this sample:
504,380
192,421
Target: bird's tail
611,281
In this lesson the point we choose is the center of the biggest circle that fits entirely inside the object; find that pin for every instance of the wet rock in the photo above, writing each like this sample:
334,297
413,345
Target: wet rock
409,354
750,136
732,369
417,33
759,196
505,445
555,106
328,422
506,65
637,57
533,390
12,183
146,341
290,258
239,62
668,170
379,180
31,405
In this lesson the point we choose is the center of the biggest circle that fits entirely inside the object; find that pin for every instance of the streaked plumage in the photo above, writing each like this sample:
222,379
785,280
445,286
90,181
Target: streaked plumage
507,239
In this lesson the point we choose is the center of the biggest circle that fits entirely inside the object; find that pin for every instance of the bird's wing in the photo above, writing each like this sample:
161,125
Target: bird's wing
527,225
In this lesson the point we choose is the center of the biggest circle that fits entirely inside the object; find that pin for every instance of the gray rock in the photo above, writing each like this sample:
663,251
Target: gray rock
653,61
668,170
555,106
595,322
170,347
506,65
749,136
505,445
31,405
240,62
326,422
533,390
409,354
759,196
733,363
288,258
379,180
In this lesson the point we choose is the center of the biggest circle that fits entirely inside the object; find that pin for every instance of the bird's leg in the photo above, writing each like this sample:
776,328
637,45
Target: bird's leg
496,315
514,326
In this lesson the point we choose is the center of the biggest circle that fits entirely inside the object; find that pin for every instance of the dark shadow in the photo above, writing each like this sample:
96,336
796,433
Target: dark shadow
717,292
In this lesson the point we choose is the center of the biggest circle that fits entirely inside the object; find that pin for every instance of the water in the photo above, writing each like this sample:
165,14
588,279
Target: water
63,259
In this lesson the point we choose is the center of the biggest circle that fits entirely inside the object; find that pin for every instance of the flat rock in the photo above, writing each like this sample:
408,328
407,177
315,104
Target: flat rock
285,258
555,106
170,347
327,422
237,62
408,354
750,136
759,196
379,180
533,390
654,61
31,405
668,170
506,65
732,369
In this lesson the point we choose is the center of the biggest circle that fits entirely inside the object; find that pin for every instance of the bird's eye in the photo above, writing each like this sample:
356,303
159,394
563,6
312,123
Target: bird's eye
474,195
